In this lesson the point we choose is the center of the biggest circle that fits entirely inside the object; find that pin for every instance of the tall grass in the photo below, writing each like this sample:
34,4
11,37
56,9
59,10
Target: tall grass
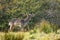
46,27
29,36
14,36
42,31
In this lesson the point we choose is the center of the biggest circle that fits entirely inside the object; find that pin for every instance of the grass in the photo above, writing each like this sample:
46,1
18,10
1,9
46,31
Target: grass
44,32
29,36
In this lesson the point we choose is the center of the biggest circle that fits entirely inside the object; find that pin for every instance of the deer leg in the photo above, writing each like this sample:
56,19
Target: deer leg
11,28
21,28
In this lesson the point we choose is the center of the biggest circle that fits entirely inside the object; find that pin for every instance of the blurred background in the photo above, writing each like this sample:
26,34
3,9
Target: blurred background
44,25
46,11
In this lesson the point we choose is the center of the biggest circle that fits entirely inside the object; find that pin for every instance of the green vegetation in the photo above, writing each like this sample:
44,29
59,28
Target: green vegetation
44,9
45,25
13,36
29,36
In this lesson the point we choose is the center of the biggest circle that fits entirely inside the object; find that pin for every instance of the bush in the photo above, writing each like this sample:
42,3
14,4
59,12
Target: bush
45,26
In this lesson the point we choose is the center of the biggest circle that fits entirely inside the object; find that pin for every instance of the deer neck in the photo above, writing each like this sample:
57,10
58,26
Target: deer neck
28,18
26,21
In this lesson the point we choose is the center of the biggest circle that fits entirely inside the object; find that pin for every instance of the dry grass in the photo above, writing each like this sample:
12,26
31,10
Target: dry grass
29,36
34,34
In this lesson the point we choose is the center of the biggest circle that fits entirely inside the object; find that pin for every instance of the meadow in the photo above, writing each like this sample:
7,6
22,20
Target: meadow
29,36
44,23
44,32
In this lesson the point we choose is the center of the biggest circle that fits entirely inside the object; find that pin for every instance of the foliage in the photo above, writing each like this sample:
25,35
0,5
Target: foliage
45,26
47,9
28,36
13,36
14,8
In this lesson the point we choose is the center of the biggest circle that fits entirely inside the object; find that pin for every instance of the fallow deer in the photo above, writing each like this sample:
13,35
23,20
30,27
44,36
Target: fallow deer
19,22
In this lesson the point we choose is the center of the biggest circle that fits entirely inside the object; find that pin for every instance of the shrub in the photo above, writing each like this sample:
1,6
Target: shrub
45,26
